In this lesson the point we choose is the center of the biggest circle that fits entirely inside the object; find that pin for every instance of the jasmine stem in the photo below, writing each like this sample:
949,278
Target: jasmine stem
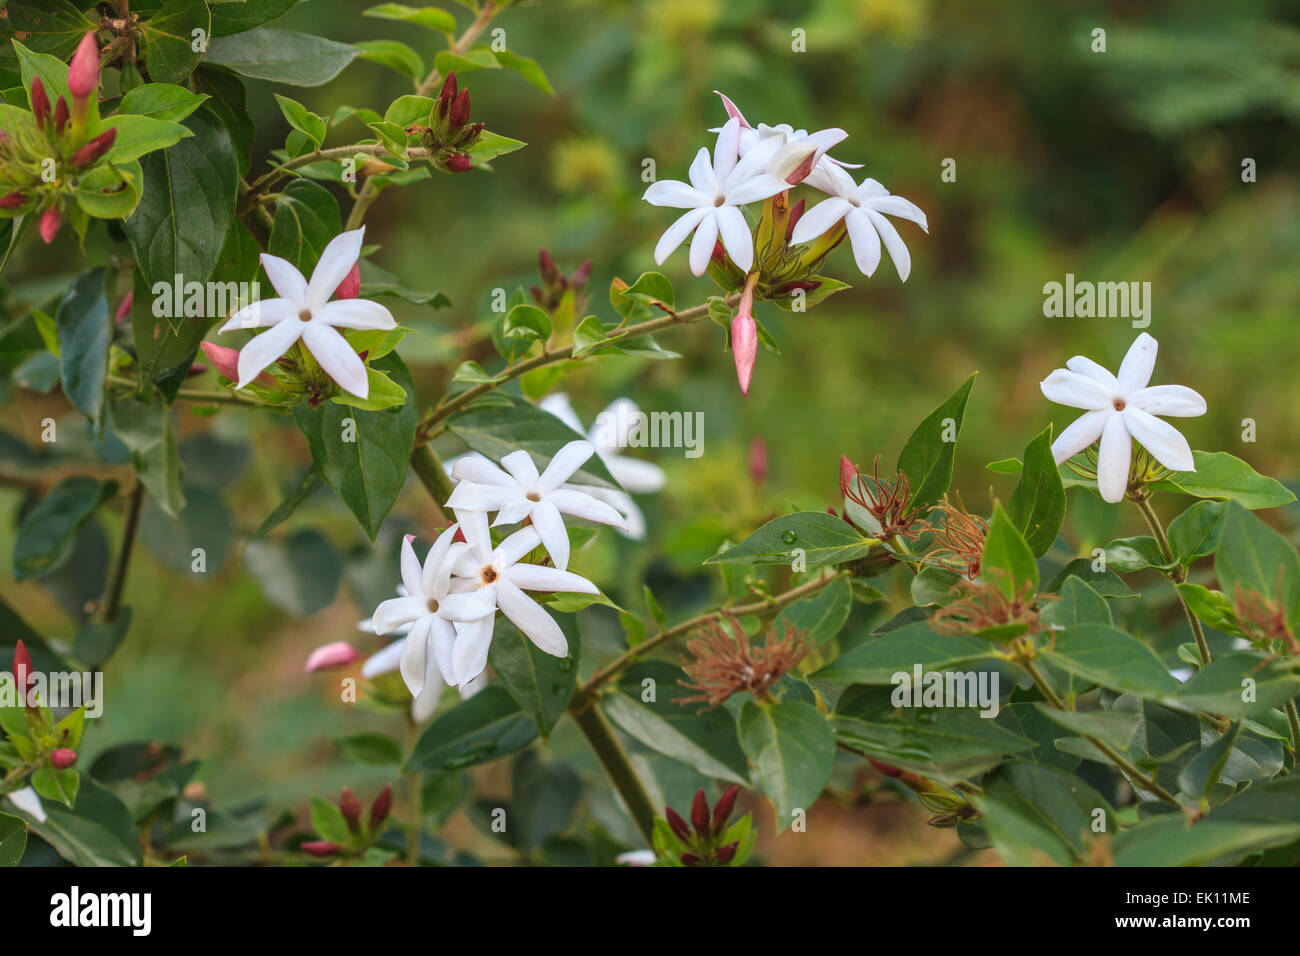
428,468
613,758
1293,720
1177,574
194,396
117,578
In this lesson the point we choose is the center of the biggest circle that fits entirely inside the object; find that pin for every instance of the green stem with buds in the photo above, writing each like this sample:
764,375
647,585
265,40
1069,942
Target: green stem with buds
1177,574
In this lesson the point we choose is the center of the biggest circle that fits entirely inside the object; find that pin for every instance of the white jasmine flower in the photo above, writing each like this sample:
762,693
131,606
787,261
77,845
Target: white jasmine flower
716,191
304,311
520,492
1120,408
863,209
28,801
822,140
424,706
637,858
498,576
430,607
611,435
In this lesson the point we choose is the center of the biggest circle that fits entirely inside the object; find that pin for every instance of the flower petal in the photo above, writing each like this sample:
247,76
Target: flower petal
677,232
535,577
736,239
865,240
1077,391
410,564
566,461
470,652
285,279
820,219
1080,433
675,194
415,655
550,526
336,261
333,353
1164,441
1113,459
266,348
893,242
573,501
520,464
701,174
900,207
635,475
355,314
383,662
1176,400
28,801
1099,374
1139,362
435,562
471,496
558,404
260,315
531,618
727,150
443,645
474,528
706,236
469,606
517,545
756,188
476,468
393,613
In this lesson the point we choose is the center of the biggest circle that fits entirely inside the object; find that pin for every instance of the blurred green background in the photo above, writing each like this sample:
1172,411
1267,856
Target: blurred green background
1117,166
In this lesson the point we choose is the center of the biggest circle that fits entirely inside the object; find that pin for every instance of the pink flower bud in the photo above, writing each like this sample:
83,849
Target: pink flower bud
83,72
460,163
581,276
350,807
226,362
744,346
733,112
848,472
60,114
321,848
40,101
97,147
13,200
63,758
124,311
330,656
546,266
50,224
758,460
24,673
350,287
380,808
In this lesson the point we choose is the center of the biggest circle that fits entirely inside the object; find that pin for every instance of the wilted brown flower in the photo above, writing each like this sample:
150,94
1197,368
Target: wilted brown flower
984,607
1262,619
960,539
724,665
889,500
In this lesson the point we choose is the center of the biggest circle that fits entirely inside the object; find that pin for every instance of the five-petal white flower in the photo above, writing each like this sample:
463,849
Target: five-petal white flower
863,209
520,492
1120,408
304,311
716,191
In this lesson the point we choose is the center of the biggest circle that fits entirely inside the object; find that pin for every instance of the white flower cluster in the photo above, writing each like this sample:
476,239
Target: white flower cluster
449,602
750,164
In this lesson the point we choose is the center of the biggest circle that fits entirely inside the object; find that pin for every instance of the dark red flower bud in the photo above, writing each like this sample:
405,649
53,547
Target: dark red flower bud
470,134
24,672
97,147
321,848
889,770
351,809
49,225
579,278
124,310
459,114
60,114
446,94
547,267
380,808
63,758
796,212
848,472
722,809
12,200
460,163
700,813
690,859
350,287
728,853
40,101
83,71
680,826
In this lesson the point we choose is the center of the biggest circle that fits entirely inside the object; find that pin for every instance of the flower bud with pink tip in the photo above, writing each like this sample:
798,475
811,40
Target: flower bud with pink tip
744,339
63,758
83,71
332,657
350,287
49,225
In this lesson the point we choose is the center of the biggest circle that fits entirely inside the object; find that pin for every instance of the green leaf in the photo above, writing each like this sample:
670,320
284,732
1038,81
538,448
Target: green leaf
927,457
369,748
1111,658
138,135
363,455
85,333
382,393
1213,607
429,17
1106,583
179,228
306,487
394,55
1195,533
643,708
1200,775
48,533
526,67
145,429
543,797
540,684
791,747
486,727
1079,604
496,428
934,586
306,219
99,831
816,537
302,119
1037,506
328,821
946,743
299,574
478,58
1116,728
1126,555
1007,560
1241,684
57,785
1038,815
1252,557
1224,477
169,39
13,839
490,145
877,660
822,616
1172,841
281,56
230,18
